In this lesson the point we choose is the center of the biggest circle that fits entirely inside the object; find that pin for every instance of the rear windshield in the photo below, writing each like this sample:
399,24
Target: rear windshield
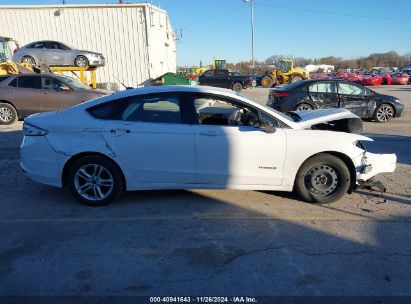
292,85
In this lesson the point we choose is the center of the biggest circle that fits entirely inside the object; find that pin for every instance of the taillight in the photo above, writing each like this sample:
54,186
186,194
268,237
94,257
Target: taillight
281,94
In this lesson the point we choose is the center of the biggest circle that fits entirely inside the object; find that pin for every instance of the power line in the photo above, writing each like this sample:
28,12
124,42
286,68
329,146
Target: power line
329,13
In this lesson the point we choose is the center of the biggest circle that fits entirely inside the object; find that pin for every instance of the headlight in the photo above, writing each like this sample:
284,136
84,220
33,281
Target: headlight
31,130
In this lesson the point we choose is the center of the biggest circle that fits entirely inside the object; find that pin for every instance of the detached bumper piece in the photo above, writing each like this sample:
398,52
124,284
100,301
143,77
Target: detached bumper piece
373,184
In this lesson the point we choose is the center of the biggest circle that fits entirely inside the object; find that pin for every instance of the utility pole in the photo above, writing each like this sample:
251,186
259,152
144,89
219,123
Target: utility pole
251,2
120,1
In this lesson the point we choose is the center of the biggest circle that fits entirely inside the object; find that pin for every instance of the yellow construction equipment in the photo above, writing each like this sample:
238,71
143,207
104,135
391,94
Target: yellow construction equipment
7,66
284,74
86,75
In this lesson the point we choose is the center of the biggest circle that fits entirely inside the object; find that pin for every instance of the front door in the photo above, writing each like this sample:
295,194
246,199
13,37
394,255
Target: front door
356,98
56,95
152,139
324,94
228,153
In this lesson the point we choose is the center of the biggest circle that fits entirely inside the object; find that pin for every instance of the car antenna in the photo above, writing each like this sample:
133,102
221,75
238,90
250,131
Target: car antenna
126,87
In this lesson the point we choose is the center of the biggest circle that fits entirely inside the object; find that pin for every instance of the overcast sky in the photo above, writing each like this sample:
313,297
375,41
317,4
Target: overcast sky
315,28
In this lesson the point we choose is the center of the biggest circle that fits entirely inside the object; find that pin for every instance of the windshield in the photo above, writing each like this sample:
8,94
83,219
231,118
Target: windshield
284,66
74,83
283,115
5,51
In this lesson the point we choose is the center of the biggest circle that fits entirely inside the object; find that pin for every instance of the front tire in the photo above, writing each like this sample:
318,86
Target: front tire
267,82
95,180
322,179
8,114
81,61
237,87
383,113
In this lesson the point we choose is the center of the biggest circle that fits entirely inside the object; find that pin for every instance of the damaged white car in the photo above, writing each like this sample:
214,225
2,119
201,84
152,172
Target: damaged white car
196,138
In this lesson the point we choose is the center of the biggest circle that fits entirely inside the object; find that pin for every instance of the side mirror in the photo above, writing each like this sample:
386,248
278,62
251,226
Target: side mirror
268,129
63,89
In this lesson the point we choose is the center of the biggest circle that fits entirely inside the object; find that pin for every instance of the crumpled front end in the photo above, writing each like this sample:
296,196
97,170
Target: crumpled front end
370,164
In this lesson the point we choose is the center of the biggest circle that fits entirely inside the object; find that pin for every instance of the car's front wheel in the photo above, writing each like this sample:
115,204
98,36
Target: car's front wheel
322,179
383,113
81,61
237,87
95,180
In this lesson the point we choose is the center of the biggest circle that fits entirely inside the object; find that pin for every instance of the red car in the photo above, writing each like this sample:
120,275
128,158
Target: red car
400,78
354,77
371,80
341,75
386,79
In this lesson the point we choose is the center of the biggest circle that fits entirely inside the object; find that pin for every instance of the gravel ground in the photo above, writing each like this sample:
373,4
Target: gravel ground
209,242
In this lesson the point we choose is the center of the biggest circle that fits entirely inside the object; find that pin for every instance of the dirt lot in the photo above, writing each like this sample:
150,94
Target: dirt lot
209,242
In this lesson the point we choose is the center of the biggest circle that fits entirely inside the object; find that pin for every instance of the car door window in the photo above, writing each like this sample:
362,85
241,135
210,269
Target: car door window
219,73
208,74
29,82
37,45
49,83
351,89
212,110
323,87
58,46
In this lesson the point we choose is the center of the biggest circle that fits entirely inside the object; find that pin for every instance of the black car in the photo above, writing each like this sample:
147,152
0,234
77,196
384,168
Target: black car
225,79
329,93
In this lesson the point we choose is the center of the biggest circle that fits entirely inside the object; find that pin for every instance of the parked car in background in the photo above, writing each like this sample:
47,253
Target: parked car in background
386,78
191,137
23,94
408,72
355,77
400,78
371,80
55,53
225,79
333,93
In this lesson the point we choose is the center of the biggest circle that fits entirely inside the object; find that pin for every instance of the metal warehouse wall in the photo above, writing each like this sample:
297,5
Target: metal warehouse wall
137,39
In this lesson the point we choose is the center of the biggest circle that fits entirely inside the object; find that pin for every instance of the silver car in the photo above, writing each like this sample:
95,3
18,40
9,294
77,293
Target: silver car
55,53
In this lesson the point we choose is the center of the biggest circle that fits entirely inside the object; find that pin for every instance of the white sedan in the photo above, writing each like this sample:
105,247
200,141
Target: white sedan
182,137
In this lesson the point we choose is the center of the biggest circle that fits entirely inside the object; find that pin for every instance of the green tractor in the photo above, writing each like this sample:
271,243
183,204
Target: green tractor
285,73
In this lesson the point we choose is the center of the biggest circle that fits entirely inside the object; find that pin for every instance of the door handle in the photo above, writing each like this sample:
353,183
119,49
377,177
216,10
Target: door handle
45,93
114,131
208,134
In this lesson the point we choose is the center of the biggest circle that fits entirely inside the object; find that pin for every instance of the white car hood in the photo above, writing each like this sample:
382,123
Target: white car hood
310,118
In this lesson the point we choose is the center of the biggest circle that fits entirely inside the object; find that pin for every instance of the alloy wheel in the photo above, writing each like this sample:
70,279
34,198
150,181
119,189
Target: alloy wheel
5,114
385,113
81,62
322,180
93,182
303,107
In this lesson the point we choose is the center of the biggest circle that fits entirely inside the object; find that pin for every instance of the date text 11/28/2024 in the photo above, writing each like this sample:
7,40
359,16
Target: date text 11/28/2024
203,300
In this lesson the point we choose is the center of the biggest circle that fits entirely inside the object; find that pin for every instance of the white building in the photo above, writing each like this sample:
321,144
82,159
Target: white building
137,39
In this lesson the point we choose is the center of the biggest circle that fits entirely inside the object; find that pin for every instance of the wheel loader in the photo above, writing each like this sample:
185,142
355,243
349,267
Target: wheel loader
7,66
284,74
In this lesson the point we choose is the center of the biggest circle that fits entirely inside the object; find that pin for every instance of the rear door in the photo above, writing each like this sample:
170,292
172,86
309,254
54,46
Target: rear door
152,138
356,98
221,79
324,94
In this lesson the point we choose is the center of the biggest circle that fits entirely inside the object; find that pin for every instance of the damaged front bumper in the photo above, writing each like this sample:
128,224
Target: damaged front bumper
371,164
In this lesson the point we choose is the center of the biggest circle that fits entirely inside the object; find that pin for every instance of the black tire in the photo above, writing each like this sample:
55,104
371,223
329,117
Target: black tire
266,81
81,61
8,114
296,78
237,87
317,170
28,59
76,179
384,113
303,107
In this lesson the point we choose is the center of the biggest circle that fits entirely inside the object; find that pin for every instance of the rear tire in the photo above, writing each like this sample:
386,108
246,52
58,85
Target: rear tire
95,180
8,114
303,107
384,113
237,87
29,60
322,179
267,82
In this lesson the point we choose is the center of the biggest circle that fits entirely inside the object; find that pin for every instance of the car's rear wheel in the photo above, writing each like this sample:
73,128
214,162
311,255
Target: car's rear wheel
81,61
95,180
8,114
322,179
237,87
303,107
383,113
266,82
29,60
